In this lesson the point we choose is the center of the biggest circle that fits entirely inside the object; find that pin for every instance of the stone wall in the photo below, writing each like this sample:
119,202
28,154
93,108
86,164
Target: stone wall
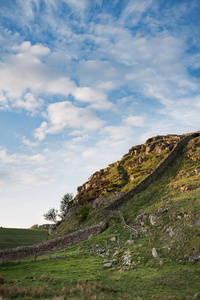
52,245
160,169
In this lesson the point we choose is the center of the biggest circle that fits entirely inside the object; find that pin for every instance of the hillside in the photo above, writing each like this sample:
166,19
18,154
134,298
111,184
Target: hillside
160,261
108,185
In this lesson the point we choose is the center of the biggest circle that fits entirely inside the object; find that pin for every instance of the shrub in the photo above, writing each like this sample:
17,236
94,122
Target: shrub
83,213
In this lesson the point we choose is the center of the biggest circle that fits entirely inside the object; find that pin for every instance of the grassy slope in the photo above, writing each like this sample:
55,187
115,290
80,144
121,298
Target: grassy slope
83,275
13,237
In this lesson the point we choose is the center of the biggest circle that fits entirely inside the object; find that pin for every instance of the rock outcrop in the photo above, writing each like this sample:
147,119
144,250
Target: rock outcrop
127,171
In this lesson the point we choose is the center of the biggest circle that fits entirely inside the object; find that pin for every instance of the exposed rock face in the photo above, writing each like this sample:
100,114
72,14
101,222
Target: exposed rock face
120,174
106,199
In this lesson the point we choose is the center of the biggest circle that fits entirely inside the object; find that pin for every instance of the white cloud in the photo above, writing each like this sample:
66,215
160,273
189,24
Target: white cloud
62,86
63,115
97,98
29,143
16,158
134,121
37,50
40,133
30,103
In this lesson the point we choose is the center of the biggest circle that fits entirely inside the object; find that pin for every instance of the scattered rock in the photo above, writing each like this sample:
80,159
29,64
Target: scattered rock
108,265
154,252
162,210
197,171
127,258
130,242
197,296
182,188
153,220
139,217
114,261
113,239
194,258
188,188
166,248
191,188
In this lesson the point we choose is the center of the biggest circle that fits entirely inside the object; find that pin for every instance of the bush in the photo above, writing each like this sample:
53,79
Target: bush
2,280
83,213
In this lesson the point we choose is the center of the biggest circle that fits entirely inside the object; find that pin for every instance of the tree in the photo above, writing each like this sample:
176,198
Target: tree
51,215
64,204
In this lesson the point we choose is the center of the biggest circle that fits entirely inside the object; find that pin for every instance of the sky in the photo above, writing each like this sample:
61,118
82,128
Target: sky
81,82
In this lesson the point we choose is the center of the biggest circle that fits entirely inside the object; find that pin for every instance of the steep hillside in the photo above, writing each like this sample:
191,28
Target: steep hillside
136,165
126,173
165,213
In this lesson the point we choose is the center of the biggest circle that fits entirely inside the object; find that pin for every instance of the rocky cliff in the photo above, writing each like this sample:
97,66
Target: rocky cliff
123,175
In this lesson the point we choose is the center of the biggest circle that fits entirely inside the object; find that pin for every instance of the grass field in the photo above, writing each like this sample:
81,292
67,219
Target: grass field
78,274
13,237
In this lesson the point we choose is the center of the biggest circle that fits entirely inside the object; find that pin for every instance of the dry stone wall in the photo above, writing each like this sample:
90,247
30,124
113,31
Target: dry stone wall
52,245
161,167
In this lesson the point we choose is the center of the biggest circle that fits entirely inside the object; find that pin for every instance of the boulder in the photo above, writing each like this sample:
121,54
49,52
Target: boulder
162,210
172,233
108,265
113,239
191,188
130,242
195,258
153,220
154,252
149,148
139,217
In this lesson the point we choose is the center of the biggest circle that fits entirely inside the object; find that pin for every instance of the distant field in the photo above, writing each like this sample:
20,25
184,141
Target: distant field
13,237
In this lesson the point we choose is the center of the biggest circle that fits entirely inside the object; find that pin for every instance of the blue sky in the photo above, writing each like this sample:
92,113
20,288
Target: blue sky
81,82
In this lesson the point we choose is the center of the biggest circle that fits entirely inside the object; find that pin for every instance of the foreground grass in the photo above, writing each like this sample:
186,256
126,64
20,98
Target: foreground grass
83,276
13,237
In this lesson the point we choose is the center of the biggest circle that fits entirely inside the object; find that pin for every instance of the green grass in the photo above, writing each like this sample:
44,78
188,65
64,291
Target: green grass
83,275
13,237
